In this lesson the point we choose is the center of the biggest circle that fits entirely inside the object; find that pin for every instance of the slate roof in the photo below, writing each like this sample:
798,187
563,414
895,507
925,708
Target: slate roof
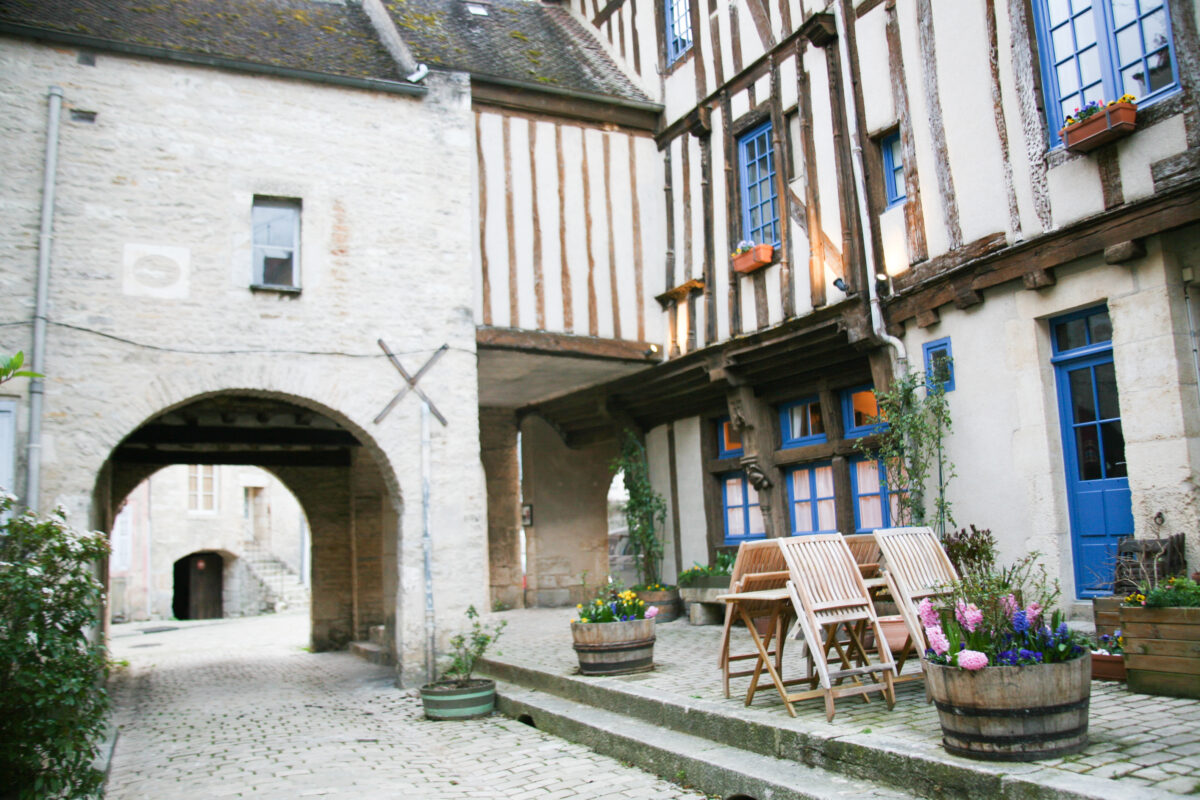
327,37
519,40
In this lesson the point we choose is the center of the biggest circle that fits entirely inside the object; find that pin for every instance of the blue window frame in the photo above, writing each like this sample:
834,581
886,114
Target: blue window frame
859,408
679,29
893,169
875,504
811,504
939,364
743,515
760,205
729,443
1102,49
1082,333
801,423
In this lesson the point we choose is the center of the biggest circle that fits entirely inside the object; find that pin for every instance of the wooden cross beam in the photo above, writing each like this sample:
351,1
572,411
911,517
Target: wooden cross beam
411,383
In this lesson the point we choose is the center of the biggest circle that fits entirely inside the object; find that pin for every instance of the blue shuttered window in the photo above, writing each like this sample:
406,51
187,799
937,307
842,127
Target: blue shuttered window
893,169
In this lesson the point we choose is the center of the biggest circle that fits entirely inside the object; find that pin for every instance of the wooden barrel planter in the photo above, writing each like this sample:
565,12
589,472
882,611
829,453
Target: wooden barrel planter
614,648
446,700
1013,713
1162,650
667,602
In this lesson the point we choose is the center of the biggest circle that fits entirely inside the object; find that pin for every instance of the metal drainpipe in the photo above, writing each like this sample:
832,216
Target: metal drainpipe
33,450
864,214
1187,304
427,545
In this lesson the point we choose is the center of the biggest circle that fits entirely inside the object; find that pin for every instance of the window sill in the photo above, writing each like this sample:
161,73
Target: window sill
680,60
271,288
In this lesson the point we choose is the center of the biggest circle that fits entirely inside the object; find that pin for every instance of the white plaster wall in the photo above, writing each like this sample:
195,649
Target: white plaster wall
658,456
870,33
826,177
1136,153
690,476
174,157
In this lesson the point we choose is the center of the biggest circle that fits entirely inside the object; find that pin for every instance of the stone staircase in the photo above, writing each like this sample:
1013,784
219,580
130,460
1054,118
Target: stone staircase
282,587
375,649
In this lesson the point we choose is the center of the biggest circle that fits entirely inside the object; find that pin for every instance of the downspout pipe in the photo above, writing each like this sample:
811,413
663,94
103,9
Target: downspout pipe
427,546
33,449
860,186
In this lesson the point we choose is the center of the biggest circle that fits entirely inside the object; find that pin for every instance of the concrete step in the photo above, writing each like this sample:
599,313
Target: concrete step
369,651
710,767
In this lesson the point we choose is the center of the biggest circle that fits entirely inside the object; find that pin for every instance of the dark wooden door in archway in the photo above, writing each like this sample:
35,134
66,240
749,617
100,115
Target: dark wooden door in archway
198,586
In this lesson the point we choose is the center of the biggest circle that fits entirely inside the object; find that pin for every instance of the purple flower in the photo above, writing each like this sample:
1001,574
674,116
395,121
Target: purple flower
1020,622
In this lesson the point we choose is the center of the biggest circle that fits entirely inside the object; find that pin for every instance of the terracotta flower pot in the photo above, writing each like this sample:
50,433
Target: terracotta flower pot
1106,125
758,256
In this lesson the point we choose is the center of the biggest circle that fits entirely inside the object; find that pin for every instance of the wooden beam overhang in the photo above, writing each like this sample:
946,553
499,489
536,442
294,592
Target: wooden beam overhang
563,344
963,281
338,457
487,91
802,352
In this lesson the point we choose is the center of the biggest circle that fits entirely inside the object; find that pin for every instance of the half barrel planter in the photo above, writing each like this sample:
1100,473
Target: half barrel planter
1013,713
667,602
446,700
1162,650
614,648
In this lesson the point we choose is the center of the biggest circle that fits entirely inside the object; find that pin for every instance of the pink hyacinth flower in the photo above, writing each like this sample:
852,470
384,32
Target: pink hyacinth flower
651,612
938,642
969,616
972,659
929,617
1010,605
1032,611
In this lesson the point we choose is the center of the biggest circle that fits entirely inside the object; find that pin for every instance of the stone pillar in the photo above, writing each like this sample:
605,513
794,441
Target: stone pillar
369,497
498,452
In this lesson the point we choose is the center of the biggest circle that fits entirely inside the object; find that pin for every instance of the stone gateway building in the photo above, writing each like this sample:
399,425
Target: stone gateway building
218,218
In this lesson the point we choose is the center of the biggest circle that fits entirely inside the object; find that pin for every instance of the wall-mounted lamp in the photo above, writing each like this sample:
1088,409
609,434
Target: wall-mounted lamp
841,285
882,277
652,351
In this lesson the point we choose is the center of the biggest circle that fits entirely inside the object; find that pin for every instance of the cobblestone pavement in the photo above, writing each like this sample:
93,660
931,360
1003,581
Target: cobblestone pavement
238,708
1135,739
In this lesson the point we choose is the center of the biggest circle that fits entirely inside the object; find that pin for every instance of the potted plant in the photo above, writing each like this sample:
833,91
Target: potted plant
699,587
456,695
1162,639
1099,123
1010,683
1108,660
750,256
645,512
614,633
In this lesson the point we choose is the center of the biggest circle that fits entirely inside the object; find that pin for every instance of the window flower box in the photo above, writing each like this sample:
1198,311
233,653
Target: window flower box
1107,124
757,256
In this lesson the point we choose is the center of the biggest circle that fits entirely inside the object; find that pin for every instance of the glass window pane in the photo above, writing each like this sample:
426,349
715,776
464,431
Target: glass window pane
732,439
1093,92
867,477
1085,31
824,481
1059,11
756,521
800,484
1129,44
274,225
870,513
734,523
864,406
826,515
1124,11
1083,404
1080,5
1068,81
1133,80
1087,450
802,521
751,494
1099,327
733,491
1106,388
1089,65
1072,334
816,423
1161,71
1064,43
1114,450
1154,29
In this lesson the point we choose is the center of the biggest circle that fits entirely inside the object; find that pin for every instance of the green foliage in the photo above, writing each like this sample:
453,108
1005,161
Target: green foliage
52,697
613,603
723,566
1173,592
10,368
467,648
971,551
644,511
911,447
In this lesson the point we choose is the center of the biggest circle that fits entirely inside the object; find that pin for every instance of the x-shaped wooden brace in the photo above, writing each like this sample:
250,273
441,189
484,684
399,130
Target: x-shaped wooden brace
411,382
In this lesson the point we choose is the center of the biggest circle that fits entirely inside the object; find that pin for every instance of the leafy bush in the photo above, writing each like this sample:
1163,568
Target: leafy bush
52,697
971,551
1172,593
645,510
723,566
467,648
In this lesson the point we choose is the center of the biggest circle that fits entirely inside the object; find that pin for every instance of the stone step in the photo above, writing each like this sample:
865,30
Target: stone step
710,767
377,634
372,652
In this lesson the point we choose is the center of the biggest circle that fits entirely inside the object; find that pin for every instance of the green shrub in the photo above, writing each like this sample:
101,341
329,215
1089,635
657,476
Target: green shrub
52,697
972,552
723,566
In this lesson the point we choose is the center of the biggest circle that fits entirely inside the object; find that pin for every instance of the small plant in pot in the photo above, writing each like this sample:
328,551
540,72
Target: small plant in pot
614,633
457,695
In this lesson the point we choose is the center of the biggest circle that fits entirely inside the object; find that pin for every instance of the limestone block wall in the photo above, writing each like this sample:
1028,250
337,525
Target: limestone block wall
498,451
167,171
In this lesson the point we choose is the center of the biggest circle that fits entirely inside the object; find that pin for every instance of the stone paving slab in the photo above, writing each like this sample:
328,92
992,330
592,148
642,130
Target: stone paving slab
240,709
1140,745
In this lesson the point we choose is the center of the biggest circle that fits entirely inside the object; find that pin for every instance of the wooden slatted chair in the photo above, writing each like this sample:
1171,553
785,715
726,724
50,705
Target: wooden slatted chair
831,601
915,567
759,566
866,554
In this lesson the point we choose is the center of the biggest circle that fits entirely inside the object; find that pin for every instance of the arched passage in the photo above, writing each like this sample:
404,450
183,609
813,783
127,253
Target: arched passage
353,517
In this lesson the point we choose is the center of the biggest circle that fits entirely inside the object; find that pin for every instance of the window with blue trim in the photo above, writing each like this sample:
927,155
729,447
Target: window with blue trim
811,502
679,29
760,205
939,364
800,423
1082,330
729,440
743,515
1094,50
875,505
893,169
859,411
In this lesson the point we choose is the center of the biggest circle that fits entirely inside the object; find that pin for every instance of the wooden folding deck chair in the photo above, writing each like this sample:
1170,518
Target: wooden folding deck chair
915,567
759,566
831,600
